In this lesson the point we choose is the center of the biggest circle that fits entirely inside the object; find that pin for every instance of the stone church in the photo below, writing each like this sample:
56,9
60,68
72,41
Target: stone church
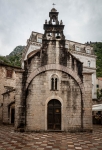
53,90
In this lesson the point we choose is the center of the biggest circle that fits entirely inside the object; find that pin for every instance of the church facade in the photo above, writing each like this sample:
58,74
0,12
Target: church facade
53,92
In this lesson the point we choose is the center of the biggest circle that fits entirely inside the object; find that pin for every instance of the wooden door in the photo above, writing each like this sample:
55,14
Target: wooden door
54,115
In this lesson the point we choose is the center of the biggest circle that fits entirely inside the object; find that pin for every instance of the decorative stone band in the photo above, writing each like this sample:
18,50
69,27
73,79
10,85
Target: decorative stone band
56,67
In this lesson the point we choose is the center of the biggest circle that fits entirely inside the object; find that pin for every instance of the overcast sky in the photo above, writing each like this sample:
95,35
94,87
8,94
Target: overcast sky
18,18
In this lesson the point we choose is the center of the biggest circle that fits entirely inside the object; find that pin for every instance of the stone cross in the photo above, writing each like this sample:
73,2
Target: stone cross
53,5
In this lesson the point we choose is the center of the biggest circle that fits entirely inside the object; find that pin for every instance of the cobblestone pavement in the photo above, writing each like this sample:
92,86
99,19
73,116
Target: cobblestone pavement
10,140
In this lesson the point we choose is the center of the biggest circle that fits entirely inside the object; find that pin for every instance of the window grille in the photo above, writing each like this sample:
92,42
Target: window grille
89,63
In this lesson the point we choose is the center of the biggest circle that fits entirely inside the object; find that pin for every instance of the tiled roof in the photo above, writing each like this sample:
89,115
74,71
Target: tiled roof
99,78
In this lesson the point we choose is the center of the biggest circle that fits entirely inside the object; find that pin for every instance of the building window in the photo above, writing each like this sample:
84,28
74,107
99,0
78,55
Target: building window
39,40
54,83
88,51
97,85
66,45
9,73
77,48
88,63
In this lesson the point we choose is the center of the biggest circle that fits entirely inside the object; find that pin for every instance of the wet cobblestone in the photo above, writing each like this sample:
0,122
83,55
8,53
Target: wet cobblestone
10,140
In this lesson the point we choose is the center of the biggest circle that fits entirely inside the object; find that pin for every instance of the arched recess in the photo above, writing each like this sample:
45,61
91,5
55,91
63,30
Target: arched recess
67,70
46,103
11,112
56,67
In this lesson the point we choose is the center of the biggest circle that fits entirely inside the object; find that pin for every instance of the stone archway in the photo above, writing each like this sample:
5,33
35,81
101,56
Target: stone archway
56,67
67,70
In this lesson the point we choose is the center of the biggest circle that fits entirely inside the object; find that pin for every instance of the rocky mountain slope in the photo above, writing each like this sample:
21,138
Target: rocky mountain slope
14,58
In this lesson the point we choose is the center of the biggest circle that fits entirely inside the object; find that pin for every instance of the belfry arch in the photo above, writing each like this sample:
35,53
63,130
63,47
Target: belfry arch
56,67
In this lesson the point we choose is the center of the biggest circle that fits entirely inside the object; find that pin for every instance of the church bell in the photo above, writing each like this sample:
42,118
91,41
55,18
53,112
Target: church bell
58,36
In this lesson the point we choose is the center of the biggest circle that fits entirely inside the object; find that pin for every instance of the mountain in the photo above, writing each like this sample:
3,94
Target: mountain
14,58
17,51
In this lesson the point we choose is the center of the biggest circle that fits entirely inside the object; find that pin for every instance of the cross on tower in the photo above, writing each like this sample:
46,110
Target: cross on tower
53,5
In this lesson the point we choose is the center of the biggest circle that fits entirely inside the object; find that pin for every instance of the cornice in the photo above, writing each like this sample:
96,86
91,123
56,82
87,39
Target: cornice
85,72
83,54
90,68
19,71
34,43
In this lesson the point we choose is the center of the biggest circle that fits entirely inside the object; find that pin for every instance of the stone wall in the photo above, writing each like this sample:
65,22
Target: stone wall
18,98
34,63
85,58
8,98
82,55
87,103
39,93
5,82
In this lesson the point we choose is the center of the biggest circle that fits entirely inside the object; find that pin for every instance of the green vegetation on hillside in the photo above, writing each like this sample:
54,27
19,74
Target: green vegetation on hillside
97,46
14,58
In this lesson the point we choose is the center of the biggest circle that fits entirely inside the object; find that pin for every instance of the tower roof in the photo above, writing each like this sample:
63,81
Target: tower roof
53,10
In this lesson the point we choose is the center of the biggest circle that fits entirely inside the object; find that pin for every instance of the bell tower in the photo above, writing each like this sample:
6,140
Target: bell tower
53,28
53,41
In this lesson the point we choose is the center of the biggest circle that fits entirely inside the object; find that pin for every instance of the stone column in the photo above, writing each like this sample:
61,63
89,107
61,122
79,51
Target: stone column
87,103
70,61
57,52
18,99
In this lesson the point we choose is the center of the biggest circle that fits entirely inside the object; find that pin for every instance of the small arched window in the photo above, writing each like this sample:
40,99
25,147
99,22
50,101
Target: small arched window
53,20
88,63
54,82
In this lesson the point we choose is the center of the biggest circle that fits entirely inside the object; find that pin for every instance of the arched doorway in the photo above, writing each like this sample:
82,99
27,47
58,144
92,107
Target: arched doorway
12,115
11,112
54,115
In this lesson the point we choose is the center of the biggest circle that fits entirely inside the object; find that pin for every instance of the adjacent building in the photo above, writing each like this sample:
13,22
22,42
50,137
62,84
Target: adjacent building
8,78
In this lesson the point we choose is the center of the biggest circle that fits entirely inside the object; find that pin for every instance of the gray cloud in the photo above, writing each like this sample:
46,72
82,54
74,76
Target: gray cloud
82,20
